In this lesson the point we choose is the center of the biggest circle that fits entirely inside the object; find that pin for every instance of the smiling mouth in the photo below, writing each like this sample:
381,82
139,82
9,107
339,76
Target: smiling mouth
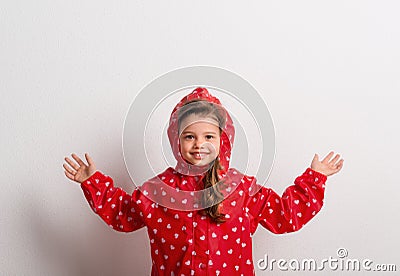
199,155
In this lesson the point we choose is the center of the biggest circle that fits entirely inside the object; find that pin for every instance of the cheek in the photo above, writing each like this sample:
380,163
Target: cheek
217,146
180,145
183,146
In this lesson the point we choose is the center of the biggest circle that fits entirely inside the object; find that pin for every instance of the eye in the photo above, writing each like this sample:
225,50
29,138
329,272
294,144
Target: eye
188,137
209,136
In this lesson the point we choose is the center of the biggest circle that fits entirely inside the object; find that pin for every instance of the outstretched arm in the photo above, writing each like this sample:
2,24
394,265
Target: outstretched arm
298,204
121,211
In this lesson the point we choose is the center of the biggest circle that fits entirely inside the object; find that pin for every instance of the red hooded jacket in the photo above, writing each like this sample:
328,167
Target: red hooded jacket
183,240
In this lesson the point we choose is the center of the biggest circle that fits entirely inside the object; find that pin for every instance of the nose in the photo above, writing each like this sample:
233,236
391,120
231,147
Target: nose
199,143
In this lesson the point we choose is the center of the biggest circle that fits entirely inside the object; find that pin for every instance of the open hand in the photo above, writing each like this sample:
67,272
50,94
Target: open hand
325,166
79,172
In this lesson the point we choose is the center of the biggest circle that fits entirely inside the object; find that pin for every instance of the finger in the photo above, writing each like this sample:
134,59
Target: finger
315,159
71,163
333,161
68,169
329,156
77,159
339,165
70,176
89,159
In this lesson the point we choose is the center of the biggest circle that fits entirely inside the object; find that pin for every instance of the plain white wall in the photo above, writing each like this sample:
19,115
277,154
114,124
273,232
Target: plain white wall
328,70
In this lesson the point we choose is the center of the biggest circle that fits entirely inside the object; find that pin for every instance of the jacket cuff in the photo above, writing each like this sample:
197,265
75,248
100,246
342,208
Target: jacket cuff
316,177
92,179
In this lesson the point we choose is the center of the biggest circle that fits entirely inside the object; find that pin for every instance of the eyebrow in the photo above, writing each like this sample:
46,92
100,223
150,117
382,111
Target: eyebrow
212,132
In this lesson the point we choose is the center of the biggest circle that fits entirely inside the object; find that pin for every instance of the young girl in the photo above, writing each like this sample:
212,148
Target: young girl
202,214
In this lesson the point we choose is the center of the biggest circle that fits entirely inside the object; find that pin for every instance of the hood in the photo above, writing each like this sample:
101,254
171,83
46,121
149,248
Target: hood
227,135
181,188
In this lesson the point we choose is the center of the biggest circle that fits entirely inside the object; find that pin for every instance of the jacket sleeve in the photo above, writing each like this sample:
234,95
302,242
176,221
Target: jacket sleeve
121,211
298,204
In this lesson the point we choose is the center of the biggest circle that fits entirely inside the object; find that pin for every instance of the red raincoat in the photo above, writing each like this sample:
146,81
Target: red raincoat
183,240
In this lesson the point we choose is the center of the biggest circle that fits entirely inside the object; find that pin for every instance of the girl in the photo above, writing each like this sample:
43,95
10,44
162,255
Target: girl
202,214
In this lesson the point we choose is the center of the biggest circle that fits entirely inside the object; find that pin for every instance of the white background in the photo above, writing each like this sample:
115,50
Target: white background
328,71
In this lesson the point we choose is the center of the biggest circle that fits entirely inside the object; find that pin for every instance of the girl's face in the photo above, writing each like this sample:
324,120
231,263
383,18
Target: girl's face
199,139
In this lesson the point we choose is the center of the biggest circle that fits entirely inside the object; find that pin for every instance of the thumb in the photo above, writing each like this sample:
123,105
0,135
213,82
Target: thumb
314,162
